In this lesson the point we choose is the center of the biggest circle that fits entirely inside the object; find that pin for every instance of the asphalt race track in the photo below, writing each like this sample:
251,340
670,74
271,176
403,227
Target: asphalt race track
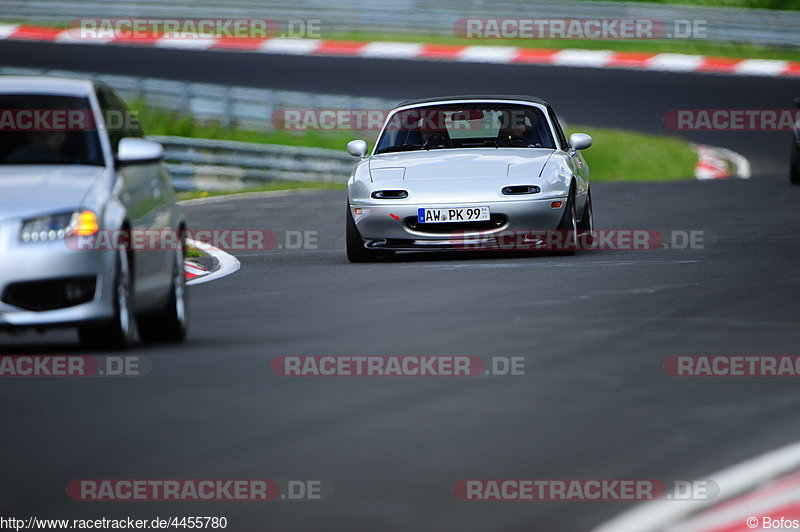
594,329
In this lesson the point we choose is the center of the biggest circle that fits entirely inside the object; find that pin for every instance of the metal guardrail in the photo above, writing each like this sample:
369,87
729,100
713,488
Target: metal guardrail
761,26
243,107
203,164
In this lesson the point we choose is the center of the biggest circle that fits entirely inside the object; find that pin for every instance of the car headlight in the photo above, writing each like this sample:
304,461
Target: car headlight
59,226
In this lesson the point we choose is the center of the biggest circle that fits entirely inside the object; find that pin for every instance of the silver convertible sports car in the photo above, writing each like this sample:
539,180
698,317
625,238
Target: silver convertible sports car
79,186
468,172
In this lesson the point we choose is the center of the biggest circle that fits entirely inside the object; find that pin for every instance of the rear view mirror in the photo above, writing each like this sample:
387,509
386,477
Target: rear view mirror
467,114
579,141
357,148
135,150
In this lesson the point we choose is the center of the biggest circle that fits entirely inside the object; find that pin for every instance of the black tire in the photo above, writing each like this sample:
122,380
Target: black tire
569,226
171,323
356,252
586,224
118,332
794,169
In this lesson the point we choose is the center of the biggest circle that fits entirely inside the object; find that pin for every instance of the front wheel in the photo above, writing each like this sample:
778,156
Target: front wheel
569,226
170,323
356,252
118,332
586,224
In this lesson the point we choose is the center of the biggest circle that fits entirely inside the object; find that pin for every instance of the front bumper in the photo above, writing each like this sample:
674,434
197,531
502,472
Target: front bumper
391,225
52,264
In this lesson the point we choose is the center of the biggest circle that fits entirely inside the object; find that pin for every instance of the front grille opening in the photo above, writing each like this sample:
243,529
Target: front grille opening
496,221
52,294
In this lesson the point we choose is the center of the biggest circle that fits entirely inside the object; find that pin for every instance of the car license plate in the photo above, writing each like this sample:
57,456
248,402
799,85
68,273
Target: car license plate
453,214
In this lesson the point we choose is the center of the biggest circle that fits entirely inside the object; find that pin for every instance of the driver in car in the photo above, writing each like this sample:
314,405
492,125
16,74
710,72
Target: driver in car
43,147
517,129
434,131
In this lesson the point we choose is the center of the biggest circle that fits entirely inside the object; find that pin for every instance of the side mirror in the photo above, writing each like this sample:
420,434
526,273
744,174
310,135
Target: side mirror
579,141
797,102
357,148
135,150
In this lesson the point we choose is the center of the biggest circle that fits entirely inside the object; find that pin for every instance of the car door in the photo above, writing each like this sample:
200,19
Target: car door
142,196
574,158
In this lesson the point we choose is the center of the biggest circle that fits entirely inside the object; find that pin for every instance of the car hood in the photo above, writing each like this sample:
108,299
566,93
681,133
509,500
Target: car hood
459,164
31,190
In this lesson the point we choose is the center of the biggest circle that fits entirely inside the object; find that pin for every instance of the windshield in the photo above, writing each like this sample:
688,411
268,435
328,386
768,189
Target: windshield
46,129
466,126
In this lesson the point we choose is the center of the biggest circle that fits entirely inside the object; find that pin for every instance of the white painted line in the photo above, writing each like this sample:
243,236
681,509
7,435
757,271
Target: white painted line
290,46
488,54
191,43
664,515
675,62
761,67
582,58
390,50
6,30
228,264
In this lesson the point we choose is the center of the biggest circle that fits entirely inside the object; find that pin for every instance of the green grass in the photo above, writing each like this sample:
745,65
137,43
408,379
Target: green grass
618,155
192,252
699,47
159,122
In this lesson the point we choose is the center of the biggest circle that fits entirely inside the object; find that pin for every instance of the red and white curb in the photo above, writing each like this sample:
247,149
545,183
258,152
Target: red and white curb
661,62
194,270
719,163
763,488
195,274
